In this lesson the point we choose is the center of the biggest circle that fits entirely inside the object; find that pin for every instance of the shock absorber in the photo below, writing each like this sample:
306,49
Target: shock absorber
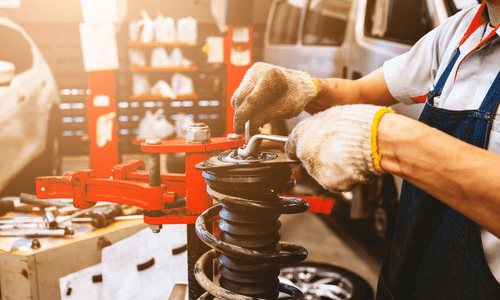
246,184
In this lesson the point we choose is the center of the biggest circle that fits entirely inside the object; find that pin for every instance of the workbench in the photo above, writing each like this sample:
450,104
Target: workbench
30,273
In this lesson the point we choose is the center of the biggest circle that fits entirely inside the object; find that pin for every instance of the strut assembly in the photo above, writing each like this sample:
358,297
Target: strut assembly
247,188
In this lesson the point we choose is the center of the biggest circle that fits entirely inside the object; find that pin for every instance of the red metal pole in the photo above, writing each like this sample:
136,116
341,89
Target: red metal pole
101,119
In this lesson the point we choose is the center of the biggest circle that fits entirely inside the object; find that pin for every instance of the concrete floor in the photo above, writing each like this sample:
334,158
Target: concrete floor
308,230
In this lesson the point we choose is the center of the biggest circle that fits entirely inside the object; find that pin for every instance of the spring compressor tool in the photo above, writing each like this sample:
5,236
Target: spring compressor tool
243,180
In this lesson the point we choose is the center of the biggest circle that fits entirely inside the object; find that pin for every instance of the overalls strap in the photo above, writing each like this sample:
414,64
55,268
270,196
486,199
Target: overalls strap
437,252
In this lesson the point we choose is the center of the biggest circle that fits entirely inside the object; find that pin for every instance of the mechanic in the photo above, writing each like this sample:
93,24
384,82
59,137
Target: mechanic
448,224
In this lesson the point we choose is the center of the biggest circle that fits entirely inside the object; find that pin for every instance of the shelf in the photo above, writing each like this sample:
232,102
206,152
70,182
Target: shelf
161,69
137,142
159,97
160,44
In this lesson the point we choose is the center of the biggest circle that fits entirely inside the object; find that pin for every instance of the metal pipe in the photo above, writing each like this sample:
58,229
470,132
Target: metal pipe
50,220
154,164
37,232
33,200
247,132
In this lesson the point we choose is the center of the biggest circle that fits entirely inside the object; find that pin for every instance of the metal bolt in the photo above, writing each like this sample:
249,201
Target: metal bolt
234,136
35,244
198,133
155,228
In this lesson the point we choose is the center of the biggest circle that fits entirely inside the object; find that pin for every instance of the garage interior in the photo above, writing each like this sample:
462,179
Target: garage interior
345,253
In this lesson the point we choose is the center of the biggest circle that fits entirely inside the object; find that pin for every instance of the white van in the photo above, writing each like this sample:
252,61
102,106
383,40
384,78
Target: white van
349,39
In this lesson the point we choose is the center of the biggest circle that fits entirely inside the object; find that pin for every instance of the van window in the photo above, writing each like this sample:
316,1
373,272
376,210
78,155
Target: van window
401,21
285,24
457,5
326,22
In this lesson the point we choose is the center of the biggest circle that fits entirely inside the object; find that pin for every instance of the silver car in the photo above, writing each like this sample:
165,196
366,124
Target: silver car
29,106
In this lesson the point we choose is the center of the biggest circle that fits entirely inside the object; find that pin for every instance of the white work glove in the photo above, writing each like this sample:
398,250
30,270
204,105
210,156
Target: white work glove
268,93
338,147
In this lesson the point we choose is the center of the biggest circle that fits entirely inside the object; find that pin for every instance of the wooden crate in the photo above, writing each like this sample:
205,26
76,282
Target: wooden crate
34,274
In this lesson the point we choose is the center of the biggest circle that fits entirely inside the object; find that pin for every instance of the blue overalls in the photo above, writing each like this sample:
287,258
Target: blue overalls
437,252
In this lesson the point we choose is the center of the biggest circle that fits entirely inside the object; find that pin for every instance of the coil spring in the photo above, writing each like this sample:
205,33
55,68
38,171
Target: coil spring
249,239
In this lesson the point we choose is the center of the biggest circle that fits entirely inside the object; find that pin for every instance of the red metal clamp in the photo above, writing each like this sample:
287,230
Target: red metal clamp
130,186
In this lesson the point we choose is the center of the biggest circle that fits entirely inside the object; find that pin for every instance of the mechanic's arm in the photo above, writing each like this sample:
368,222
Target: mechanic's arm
462,176
370,89
349,144
269,92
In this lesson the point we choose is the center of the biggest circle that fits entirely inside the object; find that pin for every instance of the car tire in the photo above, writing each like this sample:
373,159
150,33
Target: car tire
384,221
322,281
48,163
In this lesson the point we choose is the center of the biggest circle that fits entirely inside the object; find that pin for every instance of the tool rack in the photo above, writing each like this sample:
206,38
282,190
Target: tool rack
205,105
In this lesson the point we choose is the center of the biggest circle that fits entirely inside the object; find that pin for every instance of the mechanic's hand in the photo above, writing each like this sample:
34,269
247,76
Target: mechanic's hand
338,147
268,93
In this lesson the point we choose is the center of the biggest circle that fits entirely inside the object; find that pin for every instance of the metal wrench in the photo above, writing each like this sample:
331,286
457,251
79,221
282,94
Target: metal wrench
252,145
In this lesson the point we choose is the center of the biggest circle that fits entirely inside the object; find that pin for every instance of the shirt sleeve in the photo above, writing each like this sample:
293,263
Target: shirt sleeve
415,67
410,76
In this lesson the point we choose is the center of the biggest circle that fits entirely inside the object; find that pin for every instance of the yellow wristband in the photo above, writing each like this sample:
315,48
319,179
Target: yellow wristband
376,156
315,85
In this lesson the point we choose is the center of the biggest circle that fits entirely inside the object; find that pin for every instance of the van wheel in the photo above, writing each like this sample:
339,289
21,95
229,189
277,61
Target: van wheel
383,223
322,282
384,216
49,163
